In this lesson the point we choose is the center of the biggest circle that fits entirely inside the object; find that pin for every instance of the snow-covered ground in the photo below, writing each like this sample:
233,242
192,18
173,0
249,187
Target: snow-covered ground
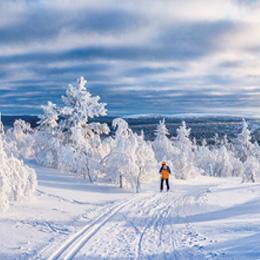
203,218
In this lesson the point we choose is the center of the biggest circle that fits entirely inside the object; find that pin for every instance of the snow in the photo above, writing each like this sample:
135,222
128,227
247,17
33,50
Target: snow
79,211
202,218
62,204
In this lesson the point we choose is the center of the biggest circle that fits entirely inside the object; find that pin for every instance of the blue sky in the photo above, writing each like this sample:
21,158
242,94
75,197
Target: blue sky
139,56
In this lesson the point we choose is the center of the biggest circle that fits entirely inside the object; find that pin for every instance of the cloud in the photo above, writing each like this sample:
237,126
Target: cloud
175,56
41,22
183,41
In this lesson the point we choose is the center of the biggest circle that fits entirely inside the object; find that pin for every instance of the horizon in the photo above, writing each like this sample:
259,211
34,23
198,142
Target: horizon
166,60
150,115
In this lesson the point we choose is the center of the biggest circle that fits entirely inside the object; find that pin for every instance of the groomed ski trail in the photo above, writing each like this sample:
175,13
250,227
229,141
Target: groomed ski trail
147,226
73,244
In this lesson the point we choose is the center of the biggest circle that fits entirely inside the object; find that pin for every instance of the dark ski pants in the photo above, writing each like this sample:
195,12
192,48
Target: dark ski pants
167,184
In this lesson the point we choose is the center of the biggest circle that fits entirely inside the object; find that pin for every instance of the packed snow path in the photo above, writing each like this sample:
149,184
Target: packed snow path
147,226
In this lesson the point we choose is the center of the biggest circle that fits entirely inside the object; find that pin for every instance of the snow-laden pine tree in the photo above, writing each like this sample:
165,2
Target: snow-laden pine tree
243,144
185,165
162,145
17,181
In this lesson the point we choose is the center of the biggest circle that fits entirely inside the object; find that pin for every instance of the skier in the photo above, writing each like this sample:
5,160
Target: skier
165,173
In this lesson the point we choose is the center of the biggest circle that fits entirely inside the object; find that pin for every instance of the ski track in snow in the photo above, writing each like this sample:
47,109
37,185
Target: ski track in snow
74,243
147,227
153,223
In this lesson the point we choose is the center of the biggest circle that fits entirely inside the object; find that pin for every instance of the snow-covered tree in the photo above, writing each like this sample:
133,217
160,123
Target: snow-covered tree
49,119
48,137
256,150
185,166
146,162
108,143
217,161
86,153
252,170
225,142
67,139
217,140
80,106
225,164
80,134
182,140
204,158
17,181
20,139
120,162
243,144
131,160
162,145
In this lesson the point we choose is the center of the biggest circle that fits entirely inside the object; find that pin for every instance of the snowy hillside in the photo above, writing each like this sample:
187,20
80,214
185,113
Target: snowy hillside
98,192
206,218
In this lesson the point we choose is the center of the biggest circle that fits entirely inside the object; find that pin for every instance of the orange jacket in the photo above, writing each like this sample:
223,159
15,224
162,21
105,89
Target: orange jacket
165,172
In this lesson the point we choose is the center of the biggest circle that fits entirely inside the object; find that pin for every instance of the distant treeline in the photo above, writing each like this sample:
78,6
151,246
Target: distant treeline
201,127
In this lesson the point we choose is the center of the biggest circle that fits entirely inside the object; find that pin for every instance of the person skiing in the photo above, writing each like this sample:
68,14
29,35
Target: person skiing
165,173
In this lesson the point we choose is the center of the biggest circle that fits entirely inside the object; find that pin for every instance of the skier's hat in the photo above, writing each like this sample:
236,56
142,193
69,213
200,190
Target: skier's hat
163,162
